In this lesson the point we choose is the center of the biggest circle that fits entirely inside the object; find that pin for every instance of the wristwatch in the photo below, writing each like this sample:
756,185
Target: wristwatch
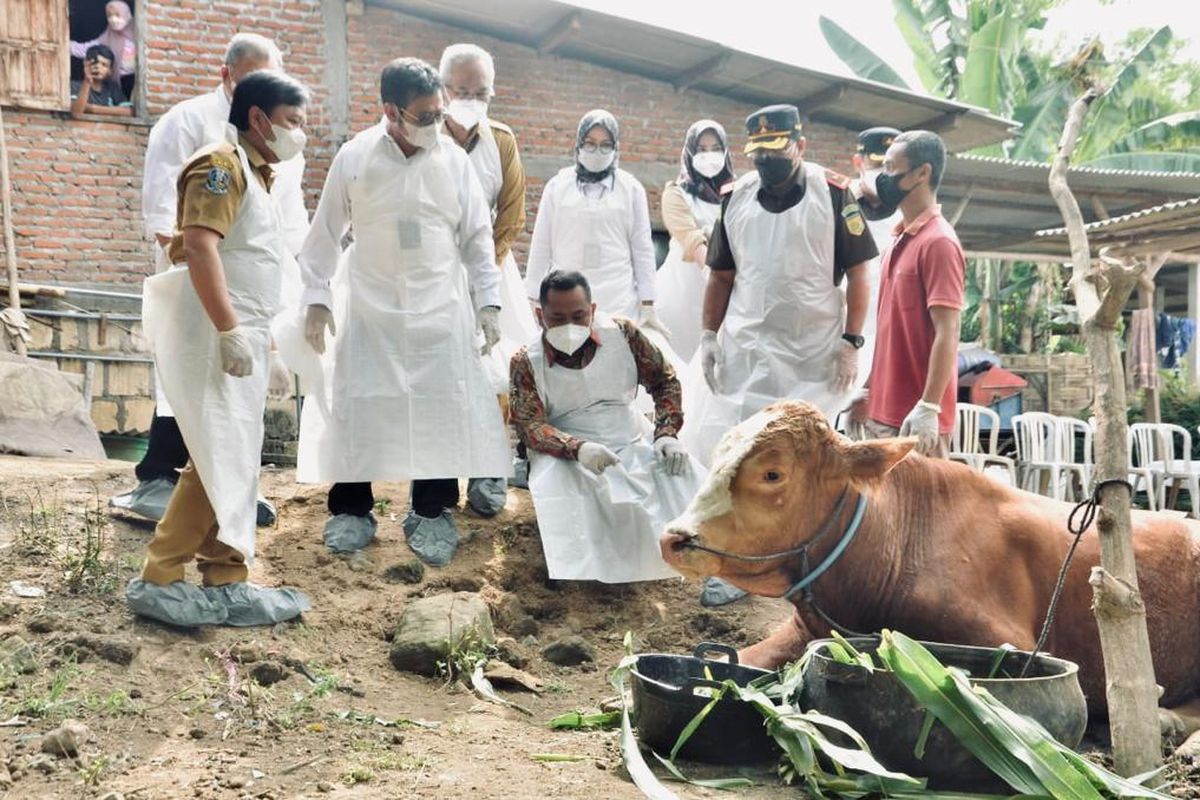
855,339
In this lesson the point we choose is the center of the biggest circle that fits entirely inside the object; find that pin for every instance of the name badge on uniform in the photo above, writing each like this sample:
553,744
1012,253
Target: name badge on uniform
854,219
410,234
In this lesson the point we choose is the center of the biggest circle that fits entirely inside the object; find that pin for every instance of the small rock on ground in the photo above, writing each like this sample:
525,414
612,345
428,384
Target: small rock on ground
406,572
268,673
109,648
17,656
569,651
66,739
431,626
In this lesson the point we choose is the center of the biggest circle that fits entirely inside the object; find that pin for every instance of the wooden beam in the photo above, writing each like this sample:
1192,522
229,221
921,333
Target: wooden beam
694,74
962,206
945,122
1001,255
825,97
1098,208
559,33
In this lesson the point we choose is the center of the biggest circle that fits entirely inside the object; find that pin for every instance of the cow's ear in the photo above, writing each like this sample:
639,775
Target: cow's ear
874,459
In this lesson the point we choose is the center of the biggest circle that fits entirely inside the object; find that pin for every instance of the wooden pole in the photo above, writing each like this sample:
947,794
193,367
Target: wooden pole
13,318
1152,395
1102,289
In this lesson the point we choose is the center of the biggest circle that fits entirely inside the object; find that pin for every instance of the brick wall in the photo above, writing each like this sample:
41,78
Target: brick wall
1060,383
77,184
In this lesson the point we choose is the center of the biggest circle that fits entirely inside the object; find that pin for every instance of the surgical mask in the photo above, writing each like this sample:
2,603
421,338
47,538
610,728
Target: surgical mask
288,142
424,137
889,192
596,162
568,338
774,171
117,23
467,112
709,164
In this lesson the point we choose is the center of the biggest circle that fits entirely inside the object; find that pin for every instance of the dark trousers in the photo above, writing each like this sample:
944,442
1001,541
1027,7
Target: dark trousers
165,453
429,497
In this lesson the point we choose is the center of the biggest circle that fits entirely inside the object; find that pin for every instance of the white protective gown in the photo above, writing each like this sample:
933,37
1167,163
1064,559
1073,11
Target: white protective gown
603,527
785,319
174,139
600,230
681,284
881,233
220,416
517,324
405,385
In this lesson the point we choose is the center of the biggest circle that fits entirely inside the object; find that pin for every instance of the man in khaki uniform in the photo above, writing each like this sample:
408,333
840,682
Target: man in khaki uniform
208,321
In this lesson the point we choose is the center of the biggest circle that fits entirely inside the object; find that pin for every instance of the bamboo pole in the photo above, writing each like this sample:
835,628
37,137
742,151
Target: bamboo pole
14,319
1102,288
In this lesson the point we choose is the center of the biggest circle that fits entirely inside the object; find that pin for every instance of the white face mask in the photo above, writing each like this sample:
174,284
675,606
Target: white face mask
424,137
467,113
288,142
869,177
596,162
117,23
709,164
568,338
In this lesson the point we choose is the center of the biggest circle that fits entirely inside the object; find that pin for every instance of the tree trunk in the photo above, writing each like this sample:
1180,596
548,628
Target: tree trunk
1029,316
1152,401
12,322
1101,291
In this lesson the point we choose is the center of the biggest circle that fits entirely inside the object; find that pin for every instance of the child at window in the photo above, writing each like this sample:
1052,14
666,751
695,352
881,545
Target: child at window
99,92
120,36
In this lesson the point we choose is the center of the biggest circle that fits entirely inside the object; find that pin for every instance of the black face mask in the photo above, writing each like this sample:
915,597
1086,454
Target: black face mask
774,171
887,188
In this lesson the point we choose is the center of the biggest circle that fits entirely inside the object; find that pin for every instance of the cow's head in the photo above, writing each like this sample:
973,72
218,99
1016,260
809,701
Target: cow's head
775,479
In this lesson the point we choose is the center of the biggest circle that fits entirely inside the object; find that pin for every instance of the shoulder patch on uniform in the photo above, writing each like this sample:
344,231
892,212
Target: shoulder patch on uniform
218,180
501,127
852,215
837,179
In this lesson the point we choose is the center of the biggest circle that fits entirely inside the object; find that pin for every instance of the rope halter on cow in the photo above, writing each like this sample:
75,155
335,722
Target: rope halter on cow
807,577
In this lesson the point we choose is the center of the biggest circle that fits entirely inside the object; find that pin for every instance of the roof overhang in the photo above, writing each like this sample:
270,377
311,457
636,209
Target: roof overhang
690,62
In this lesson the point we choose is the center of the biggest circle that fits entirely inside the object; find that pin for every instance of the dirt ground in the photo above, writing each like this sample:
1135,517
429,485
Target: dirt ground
183,718
177,714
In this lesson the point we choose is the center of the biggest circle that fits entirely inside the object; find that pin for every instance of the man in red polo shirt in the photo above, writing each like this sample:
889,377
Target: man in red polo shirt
913,375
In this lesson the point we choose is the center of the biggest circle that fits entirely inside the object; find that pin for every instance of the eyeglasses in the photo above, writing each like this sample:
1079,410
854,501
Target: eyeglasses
482,95
592,147
426,119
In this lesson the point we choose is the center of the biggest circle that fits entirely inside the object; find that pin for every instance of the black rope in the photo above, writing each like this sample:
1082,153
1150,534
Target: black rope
1086,511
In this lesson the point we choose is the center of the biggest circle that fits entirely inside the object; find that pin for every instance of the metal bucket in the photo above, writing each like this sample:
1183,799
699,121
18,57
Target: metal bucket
668,692
879,707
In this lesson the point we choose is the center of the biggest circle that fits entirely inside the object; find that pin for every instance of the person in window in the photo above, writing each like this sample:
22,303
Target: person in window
120,37
98,92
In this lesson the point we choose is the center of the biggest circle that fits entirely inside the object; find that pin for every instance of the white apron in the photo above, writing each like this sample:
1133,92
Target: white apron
517,324
785,319
881,232
408,397
592,235
221,417
681,284
603,527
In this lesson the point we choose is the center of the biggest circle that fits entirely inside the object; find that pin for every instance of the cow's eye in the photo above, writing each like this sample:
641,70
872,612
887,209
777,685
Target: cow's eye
772,476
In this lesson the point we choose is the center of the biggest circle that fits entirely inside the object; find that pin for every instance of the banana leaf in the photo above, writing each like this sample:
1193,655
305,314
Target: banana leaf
861,59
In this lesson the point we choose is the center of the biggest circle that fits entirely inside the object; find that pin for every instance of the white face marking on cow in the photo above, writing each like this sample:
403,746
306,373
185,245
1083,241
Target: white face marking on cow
716,497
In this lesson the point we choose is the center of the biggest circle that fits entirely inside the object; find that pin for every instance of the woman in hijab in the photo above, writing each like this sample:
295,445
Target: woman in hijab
691,205
121,37
593,217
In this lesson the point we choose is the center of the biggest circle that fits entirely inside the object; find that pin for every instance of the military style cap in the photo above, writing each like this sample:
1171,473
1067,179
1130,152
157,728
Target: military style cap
772,127
873,143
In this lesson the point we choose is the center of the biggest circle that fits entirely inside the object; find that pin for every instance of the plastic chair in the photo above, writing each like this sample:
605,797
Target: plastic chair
967,445
1038,446
1068,428
1143,443
1178,471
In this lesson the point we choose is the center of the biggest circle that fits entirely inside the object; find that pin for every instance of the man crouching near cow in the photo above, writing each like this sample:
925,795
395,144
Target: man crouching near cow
603,487
872,535
911,390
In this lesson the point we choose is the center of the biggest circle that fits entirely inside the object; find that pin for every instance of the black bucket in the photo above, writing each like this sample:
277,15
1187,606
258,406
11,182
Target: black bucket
878,706
668,692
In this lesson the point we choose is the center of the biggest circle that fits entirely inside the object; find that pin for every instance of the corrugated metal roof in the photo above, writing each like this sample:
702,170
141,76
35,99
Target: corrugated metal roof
687,61
1170,226
1009,164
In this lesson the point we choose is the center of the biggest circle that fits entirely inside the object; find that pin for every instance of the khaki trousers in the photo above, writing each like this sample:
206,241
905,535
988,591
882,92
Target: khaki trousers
878,430
188,530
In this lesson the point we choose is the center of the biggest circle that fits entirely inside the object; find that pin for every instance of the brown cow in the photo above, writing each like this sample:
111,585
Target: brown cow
943,553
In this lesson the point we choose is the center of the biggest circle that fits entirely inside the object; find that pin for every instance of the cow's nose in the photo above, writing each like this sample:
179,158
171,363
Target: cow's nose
674,539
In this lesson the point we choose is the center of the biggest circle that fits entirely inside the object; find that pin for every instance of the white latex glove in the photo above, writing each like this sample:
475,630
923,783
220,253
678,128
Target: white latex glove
316,320
648,320
489,323
846,358
710,356
701,257
597,457
236,358
671,454
922,422
279,384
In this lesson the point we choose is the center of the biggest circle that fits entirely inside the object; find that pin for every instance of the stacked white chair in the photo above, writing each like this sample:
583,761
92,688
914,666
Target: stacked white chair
967,440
